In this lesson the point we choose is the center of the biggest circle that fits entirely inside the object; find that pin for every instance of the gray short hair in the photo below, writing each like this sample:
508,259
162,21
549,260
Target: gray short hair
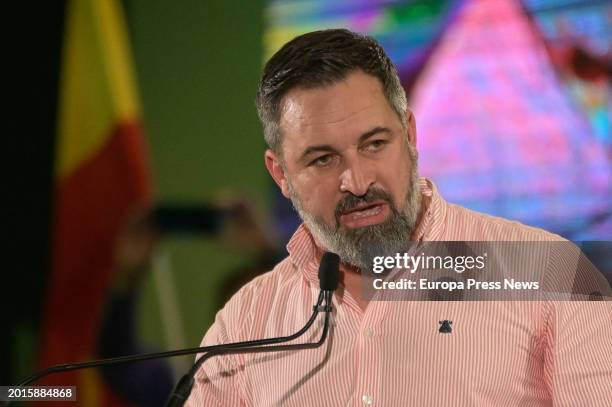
322,58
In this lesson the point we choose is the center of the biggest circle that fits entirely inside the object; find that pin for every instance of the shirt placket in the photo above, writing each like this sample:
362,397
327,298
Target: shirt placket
368,388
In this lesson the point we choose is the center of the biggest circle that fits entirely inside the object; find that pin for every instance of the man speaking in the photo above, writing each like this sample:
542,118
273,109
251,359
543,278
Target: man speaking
342,148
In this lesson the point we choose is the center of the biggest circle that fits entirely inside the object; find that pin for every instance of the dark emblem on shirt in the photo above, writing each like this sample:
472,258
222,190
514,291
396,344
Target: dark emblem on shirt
445,326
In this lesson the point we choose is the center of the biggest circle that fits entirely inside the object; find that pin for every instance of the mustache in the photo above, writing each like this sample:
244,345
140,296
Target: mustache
350,201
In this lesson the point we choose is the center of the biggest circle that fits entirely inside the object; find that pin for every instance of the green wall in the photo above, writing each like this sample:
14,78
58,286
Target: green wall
197,65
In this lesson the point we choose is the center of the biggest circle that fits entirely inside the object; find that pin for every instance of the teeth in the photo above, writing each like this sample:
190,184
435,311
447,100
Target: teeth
368,212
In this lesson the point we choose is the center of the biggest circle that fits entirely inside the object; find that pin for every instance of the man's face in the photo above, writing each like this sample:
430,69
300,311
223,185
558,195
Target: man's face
349,167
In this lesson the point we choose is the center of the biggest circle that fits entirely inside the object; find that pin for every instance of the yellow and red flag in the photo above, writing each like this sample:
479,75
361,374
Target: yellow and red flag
101,174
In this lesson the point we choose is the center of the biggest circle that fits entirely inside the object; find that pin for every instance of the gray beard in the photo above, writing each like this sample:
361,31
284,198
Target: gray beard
359,246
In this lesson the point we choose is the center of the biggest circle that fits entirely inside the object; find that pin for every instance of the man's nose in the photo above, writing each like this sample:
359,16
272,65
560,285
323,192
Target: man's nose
356,178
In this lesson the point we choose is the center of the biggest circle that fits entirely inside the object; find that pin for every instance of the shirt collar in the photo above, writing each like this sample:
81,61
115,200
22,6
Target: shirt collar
306,255
432,224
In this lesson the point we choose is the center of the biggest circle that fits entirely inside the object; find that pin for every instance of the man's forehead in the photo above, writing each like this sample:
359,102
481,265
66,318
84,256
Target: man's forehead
356,103
324,110
355,89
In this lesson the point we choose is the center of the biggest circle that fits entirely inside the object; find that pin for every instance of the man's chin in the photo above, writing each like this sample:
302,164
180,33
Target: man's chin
364,225
377,227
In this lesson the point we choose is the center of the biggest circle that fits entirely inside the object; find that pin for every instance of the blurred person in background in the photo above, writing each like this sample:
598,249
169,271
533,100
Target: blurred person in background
231,220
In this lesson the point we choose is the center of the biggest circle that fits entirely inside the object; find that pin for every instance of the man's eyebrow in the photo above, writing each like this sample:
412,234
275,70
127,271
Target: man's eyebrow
315,149
326,148
373,132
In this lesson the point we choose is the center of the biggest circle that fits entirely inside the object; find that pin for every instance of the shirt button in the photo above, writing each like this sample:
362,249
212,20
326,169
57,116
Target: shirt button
367,399
368,332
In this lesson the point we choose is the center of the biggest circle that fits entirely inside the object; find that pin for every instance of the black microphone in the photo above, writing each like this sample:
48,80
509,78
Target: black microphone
329,271
328,277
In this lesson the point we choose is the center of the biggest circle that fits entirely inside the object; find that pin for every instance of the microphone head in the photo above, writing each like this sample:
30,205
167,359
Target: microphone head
329,271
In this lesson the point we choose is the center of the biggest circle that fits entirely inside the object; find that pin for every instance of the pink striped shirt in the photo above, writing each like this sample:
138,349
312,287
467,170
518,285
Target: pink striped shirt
503,353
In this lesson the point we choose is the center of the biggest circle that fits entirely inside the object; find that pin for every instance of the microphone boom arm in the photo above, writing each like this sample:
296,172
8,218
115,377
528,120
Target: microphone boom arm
147,356
183,388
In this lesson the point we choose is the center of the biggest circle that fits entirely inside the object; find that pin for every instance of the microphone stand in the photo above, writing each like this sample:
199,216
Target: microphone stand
328,277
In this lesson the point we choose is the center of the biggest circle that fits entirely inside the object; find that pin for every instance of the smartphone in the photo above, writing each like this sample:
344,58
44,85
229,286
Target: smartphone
189,219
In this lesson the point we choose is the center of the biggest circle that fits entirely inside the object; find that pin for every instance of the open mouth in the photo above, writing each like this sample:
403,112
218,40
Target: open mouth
370,213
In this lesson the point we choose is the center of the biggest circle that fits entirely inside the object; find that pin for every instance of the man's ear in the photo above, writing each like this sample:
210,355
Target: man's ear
411,125
276,170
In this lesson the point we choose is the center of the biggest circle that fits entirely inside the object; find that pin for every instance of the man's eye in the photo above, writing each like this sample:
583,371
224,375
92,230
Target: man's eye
322,161
376,145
